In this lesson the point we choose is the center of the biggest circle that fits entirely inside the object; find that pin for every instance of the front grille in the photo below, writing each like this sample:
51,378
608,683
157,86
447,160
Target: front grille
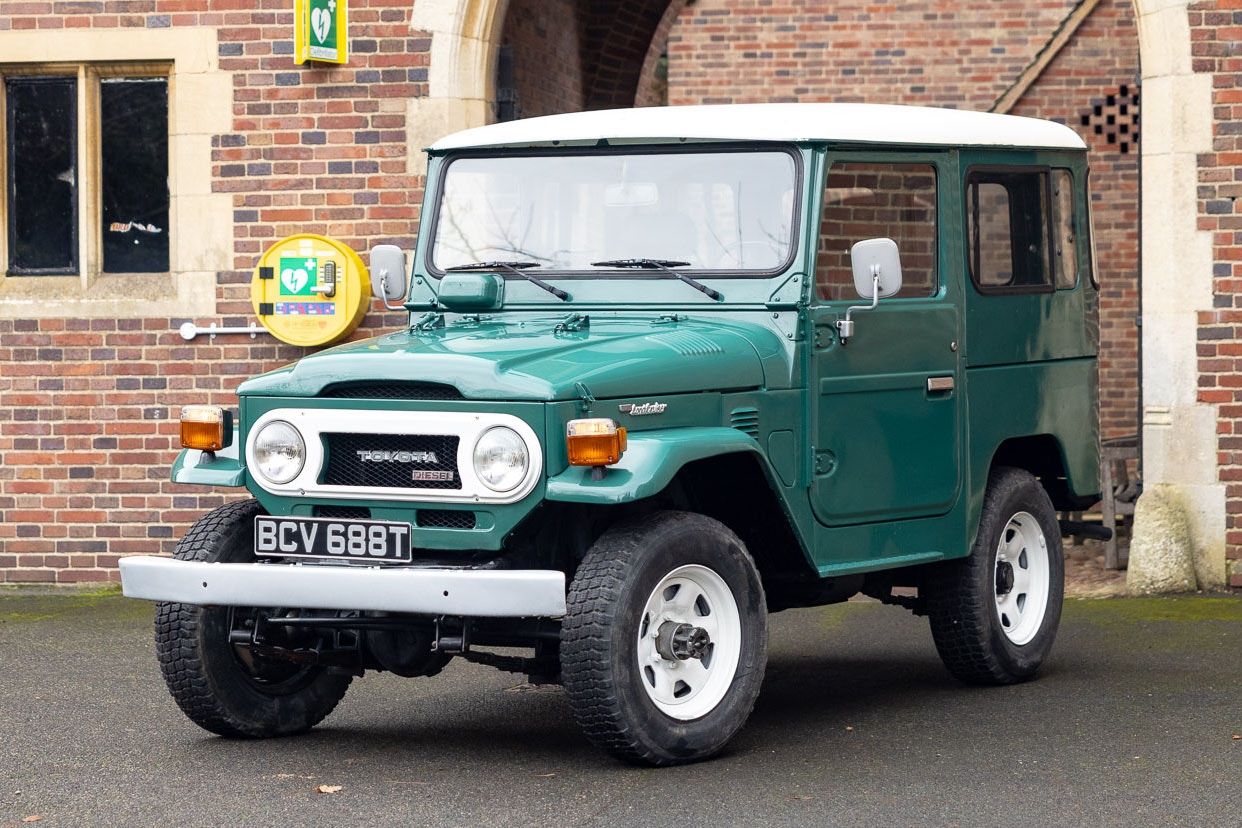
391,461
445,519
427,391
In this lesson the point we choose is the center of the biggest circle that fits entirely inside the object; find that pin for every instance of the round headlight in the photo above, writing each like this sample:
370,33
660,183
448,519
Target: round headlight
500,459
279,451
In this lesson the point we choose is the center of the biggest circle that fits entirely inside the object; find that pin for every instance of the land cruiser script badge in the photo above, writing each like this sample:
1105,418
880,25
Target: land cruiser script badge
643,409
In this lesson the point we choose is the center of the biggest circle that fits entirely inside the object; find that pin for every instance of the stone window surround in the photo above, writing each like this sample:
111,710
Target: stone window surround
201,224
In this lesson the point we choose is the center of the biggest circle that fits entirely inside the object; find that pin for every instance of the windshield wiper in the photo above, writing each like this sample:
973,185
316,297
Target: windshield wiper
665,265
513,267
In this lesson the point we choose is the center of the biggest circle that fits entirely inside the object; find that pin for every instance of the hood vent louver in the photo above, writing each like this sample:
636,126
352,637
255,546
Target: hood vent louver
745,420
688,343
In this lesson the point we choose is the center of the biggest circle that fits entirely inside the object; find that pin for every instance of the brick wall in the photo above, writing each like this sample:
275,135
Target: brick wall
957,54
1216,28
544,34
88,407
962,54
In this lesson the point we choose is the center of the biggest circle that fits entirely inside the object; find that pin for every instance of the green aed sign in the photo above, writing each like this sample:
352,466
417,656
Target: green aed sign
320,31
298,277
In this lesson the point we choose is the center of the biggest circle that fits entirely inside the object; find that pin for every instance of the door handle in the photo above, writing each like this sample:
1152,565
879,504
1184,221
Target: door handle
939,385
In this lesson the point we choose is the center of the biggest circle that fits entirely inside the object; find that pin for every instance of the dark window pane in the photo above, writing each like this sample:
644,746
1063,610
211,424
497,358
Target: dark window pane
42,160
134,155
1007,231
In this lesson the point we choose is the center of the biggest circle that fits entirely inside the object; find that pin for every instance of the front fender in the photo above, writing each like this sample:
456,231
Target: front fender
209,468
651,461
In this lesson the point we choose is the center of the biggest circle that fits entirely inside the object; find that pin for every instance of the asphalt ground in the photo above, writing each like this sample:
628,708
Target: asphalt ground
1134,721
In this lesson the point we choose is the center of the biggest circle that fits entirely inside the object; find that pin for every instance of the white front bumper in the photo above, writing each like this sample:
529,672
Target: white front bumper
530,593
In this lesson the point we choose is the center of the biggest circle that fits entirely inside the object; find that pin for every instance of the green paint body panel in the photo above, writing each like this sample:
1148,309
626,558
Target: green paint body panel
220,468
1056,399
649,465
875,450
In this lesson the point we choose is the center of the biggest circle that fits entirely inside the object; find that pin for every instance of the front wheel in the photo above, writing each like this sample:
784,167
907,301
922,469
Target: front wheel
994,614
664,644
221,683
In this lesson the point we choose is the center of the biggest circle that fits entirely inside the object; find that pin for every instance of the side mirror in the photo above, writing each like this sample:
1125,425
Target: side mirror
876,258
877,275
388,274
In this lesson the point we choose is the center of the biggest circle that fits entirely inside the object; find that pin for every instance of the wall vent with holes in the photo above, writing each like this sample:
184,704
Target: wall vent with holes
1116,118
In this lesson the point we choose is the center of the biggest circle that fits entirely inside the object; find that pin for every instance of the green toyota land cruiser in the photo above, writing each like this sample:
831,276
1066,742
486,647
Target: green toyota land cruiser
665,371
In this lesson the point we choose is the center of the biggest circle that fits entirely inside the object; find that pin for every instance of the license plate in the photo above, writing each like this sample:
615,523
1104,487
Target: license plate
366,541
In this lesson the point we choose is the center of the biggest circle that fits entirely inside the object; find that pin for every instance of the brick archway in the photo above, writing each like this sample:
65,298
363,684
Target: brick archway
614,41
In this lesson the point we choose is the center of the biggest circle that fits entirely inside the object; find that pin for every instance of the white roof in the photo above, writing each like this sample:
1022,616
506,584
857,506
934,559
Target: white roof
837,122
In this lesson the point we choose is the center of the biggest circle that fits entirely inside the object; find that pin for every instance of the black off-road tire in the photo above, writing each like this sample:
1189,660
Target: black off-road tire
617,683
204,672
984,631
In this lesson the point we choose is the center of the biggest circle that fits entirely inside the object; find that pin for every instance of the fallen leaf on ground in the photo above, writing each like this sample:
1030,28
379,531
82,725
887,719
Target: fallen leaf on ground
33,818
797,799
545,775
1236,737
328,789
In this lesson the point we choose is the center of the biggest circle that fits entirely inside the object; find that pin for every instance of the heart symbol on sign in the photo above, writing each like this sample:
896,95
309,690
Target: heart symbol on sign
320,23
294,280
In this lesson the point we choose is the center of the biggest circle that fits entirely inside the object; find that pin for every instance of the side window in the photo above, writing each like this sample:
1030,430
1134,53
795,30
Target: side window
1007,231
878,200
42,152
1064,239
119,203
133,144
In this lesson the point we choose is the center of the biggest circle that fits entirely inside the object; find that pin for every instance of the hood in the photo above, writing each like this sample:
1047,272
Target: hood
529,359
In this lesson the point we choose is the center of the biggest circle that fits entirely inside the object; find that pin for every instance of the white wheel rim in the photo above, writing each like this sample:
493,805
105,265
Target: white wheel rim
1022,578
690,686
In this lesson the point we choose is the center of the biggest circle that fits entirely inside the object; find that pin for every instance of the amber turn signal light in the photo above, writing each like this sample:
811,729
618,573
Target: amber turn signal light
594,442
206,427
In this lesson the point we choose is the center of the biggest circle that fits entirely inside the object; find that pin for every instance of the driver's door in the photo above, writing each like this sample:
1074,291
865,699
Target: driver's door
887,403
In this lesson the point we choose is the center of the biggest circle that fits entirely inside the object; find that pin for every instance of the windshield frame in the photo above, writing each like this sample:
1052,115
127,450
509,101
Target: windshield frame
796,209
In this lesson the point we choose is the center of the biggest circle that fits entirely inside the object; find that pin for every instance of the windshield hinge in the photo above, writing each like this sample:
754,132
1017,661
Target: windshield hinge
573,322
587,399
429,321
668,319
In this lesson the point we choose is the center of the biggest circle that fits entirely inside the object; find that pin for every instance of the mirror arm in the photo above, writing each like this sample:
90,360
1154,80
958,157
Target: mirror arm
384,295
845,327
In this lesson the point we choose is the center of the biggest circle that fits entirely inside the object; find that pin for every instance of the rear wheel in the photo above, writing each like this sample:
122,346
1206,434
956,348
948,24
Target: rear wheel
226,686
664,643
994,614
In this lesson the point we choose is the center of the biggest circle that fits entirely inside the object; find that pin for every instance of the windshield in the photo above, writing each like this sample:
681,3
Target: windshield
719,210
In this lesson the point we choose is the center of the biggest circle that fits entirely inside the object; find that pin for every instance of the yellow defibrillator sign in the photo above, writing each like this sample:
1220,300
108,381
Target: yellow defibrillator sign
309,290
